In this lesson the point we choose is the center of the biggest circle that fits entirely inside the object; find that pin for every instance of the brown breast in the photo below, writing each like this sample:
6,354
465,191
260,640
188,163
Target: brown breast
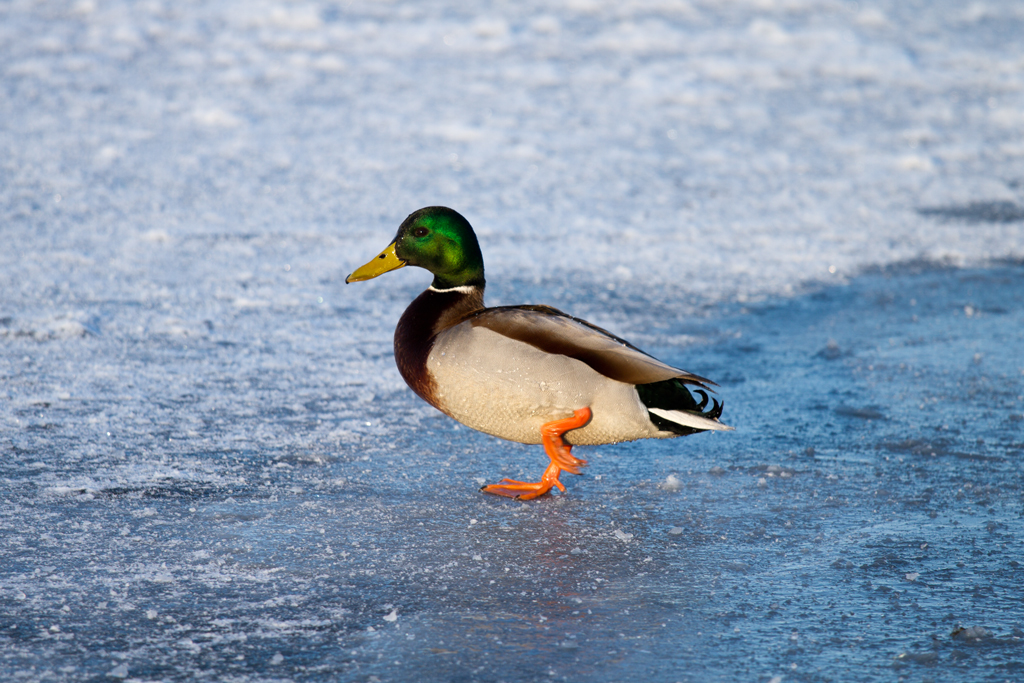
428,314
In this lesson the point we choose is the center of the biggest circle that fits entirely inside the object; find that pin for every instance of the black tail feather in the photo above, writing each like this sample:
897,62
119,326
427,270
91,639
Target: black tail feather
673,394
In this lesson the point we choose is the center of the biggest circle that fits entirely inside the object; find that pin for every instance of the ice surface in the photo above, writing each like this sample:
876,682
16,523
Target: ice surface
213,470
148,536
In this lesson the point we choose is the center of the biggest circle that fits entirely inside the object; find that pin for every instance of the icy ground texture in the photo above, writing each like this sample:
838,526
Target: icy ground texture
723,149
251,505
211,467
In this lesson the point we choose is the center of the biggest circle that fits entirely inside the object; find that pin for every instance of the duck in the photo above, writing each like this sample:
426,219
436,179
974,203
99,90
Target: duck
528,373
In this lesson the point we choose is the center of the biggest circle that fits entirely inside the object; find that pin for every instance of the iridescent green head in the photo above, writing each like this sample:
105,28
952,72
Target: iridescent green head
438,239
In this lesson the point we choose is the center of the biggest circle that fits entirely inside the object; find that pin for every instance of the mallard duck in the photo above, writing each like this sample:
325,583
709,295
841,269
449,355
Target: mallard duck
530,374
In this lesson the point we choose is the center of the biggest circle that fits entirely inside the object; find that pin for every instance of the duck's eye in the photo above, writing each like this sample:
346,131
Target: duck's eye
420,232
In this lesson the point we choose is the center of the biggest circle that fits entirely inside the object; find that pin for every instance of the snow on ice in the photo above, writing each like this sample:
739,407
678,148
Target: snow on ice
212,468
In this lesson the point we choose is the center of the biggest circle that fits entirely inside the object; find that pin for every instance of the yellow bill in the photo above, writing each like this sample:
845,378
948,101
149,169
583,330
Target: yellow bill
385,261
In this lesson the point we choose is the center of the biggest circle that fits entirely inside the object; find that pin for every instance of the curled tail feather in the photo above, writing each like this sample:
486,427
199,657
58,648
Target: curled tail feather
673,408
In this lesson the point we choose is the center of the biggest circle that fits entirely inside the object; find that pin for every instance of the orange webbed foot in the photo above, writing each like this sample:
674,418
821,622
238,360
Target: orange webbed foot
561,459
527,490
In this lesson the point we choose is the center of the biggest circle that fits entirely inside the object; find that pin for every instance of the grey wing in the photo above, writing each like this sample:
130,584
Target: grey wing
552,331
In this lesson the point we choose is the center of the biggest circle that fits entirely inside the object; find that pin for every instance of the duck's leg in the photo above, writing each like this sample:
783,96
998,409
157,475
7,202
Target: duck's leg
561,459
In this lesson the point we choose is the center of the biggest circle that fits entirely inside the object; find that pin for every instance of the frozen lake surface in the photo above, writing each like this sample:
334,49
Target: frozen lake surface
212,468
261,518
